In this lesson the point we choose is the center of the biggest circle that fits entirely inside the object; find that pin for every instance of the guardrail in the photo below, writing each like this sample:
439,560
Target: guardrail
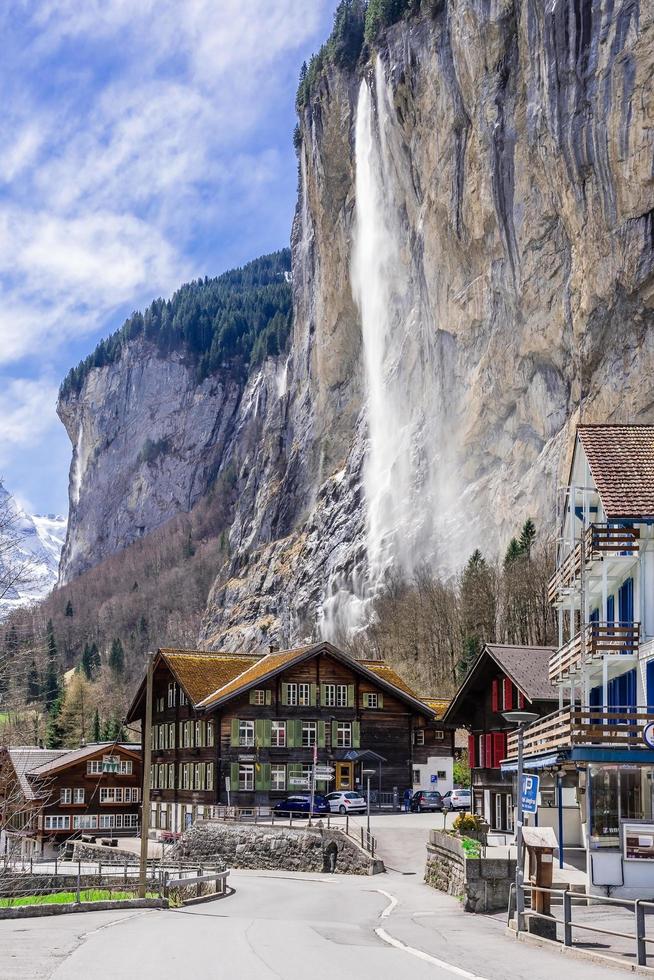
574,725
600,541
183,882
637,906
596,640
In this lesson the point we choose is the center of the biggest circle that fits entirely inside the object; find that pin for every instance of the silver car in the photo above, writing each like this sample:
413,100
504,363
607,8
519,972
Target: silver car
346,801
457,799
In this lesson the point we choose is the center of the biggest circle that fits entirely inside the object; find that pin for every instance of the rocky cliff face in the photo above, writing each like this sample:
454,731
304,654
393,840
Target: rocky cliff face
472,262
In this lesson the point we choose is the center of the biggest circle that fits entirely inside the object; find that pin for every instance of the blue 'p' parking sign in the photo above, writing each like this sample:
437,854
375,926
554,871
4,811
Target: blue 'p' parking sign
530,786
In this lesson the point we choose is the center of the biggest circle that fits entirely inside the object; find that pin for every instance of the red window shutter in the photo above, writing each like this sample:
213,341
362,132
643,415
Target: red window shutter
508,694
495,695
488,751
498,748
521,700
471,751
482,751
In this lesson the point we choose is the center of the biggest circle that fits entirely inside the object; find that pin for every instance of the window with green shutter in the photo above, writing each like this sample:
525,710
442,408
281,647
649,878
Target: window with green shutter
284,693
356,734
321,734
234,739
314,695
262,776
334,734
350,695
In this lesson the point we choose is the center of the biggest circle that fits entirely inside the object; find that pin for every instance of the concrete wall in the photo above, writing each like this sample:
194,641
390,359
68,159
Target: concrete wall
275,848
434,765
483,883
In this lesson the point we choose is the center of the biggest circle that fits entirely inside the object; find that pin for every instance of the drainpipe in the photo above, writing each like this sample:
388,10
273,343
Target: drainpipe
559,787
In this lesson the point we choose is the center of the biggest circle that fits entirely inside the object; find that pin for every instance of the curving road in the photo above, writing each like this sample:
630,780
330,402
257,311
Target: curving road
284,926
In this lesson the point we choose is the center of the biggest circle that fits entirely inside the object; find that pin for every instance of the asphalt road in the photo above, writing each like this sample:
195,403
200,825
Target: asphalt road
288,927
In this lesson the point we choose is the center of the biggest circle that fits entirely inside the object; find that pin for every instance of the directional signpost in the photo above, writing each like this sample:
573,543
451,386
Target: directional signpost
299,782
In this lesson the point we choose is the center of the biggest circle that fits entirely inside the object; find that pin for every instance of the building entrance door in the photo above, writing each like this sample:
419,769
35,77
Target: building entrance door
343,775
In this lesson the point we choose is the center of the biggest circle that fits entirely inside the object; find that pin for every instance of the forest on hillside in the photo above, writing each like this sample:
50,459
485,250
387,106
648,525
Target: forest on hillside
231,322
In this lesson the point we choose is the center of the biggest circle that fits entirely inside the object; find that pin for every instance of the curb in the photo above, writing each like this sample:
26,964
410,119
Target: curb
37,911
579,954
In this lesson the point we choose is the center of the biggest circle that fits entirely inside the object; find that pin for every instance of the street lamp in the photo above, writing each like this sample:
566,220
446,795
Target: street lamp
368,773
521,719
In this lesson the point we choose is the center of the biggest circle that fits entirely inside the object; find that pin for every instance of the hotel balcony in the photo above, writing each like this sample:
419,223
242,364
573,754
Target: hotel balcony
601,541
575,726
595,641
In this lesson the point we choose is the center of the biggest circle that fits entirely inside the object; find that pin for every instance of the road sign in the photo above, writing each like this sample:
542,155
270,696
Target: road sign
300,782
324,772
434,778
530,786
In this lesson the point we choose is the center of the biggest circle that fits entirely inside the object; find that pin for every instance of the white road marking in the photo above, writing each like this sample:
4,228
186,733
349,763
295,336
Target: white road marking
392,903
449,967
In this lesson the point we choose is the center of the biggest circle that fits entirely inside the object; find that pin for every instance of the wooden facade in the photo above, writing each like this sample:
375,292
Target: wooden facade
251,742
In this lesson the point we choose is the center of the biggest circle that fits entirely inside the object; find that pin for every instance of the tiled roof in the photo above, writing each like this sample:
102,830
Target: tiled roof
70,756
387,674
621,460
527,667
250,673
25,759
438,705
201,672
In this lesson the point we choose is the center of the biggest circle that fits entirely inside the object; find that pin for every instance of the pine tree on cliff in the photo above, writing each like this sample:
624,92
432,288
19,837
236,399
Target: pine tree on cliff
117,657
478,609
527,537
69,609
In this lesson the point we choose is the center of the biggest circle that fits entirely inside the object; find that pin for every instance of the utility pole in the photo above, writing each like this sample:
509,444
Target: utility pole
147,759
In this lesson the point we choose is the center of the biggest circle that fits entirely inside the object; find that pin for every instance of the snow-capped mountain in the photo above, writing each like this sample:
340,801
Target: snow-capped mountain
36,546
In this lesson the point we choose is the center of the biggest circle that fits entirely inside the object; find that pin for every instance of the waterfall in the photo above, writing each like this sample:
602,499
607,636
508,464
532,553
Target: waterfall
406,481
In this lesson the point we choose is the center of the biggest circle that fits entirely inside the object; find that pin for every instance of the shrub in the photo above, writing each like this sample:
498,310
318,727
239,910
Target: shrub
466,822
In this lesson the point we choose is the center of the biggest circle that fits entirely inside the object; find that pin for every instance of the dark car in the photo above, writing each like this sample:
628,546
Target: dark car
299,805
426,801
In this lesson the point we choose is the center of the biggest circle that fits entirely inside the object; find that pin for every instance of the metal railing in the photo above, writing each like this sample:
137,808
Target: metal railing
568,898
618,726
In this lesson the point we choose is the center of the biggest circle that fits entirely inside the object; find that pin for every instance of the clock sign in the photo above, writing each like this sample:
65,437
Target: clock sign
648,734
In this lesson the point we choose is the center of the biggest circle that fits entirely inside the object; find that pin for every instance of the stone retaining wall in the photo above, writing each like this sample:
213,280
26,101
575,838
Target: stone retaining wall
483,883
92,853
275,848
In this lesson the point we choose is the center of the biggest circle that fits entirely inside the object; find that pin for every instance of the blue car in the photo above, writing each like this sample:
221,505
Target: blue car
299,805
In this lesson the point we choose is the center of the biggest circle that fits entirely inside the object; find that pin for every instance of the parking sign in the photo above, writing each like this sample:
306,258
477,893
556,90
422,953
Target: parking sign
530,786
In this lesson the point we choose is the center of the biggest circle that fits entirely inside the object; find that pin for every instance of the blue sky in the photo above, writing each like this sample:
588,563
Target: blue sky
141,145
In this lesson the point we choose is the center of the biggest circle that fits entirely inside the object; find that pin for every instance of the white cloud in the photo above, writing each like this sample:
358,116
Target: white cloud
25,413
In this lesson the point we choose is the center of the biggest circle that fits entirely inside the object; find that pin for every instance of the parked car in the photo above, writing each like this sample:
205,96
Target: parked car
299,805
426,801
458,799
346,802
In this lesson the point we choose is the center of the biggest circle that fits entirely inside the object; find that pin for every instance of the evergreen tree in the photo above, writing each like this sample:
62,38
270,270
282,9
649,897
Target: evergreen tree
478,608
51,686
527,537
95,660
33,683
95,728
69,608
54,733
513,552
117,657
88,663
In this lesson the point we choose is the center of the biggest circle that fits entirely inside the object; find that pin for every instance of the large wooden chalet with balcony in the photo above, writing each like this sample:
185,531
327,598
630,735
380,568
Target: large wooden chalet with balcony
502,678
50,796
243,728
597,743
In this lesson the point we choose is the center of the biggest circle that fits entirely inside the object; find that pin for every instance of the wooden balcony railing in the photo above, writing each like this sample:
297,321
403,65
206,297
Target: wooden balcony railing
575,725
595,641
600,541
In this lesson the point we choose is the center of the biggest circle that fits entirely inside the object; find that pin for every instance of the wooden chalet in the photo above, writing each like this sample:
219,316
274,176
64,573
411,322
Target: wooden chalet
243,728
502,678
53,795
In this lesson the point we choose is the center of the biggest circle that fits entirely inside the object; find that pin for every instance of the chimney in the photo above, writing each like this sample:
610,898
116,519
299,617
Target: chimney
272,648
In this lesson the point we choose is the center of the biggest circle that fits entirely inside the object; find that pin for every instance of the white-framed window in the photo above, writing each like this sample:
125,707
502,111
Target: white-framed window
372,701
85,821
171,735
441,774
439,734
114,794
94,767
118,818
416,775
341,695
187,735
309,733
186,775
209,775
199,733
183,700
344,734
259,697
66,796
130,820
172,694
330,696
56,822
278,735
210,734
291,694
196,775
171,775
107,820
304,695
131,794
160,705
419,736
246,777
78,795
246,733
278,778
